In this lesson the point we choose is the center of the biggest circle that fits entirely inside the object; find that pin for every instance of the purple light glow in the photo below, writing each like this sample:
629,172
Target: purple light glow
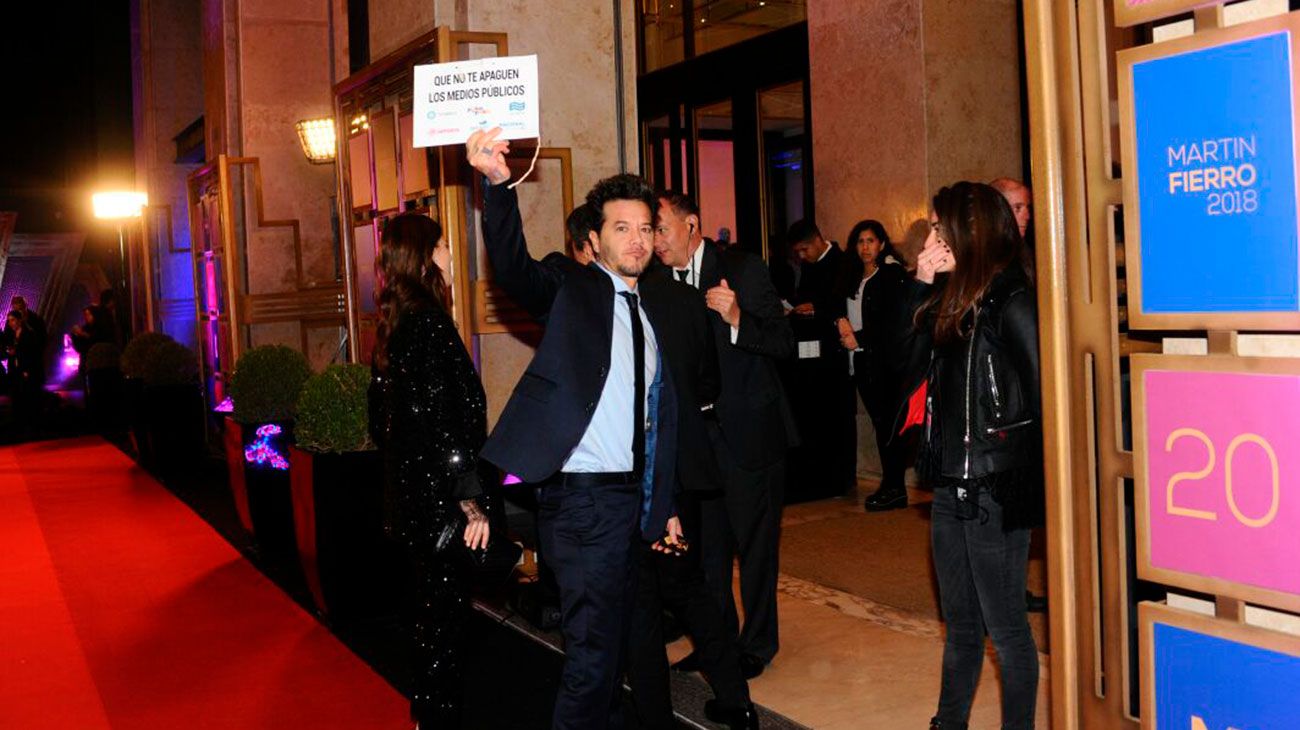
69,359
262,452
225,406
511,479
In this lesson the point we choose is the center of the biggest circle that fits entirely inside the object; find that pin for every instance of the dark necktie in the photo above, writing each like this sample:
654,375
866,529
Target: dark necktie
681,275
638,408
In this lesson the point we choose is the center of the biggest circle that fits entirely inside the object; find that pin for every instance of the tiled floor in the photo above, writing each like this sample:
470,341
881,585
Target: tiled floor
849,663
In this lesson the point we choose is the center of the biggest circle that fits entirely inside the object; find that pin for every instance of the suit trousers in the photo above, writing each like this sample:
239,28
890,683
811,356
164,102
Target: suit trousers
746,522
676,582
591,537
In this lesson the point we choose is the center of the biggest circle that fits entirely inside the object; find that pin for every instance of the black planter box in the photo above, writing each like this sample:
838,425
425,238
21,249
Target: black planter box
261,490
352,567
104,399
137,418
173,426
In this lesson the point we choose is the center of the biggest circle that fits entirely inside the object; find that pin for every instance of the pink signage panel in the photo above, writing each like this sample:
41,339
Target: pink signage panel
1223,475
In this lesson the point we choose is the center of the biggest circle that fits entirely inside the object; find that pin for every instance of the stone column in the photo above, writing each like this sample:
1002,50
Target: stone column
909,95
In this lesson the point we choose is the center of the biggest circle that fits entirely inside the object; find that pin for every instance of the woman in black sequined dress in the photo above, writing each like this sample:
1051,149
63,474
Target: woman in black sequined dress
428,413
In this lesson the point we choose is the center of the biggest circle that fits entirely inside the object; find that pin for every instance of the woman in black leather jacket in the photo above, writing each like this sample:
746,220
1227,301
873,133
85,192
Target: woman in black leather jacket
428,414
871,286
974,343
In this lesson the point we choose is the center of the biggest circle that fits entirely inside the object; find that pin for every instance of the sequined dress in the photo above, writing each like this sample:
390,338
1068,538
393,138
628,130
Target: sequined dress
428,413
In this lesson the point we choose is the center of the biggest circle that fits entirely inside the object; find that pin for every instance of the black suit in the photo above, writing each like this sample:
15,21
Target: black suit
592,532
821,389
757,430
678,582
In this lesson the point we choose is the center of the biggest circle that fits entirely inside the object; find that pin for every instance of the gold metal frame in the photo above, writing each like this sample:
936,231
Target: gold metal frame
1193,363
1132,12
1138,318
1070,52
1149,614
365,88
311,305
494,312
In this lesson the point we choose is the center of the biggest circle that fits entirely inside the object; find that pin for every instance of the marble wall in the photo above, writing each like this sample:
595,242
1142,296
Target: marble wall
909,95
267,66
868,113
167,69
575,47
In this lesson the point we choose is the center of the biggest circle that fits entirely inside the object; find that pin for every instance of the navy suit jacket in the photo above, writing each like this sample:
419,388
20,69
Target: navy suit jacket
554,401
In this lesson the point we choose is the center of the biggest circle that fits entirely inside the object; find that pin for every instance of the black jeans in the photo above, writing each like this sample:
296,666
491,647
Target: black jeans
982,573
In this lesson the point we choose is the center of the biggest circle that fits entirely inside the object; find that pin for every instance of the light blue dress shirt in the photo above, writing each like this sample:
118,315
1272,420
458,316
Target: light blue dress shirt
607,444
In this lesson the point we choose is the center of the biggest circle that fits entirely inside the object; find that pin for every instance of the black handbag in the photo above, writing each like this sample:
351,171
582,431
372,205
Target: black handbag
491,565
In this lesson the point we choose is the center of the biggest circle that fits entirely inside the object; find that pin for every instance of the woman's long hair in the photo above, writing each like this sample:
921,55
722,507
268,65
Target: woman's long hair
980,230
851,272
409,278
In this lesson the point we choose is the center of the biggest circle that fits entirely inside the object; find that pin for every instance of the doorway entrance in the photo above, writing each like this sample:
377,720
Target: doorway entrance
731,128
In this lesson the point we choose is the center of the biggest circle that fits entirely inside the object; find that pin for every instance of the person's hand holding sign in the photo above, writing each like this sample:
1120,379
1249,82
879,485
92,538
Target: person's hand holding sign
488,155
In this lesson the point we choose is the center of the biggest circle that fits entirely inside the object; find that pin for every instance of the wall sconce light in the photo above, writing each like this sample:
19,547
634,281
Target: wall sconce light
317,139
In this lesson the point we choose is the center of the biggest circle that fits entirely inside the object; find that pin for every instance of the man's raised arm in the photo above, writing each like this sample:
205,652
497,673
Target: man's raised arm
529,283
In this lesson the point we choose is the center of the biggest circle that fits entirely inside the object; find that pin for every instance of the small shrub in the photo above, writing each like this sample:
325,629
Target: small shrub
174,364
102,356
266,384
333,412
140,351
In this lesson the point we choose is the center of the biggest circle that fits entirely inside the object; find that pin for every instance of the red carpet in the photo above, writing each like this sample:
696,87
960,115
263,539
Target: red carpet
119,608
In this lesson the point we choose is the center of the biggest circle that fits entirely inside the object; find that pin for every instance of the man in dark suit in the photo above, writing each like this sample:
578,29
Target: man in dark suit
819,382
677,582
757,428
593,420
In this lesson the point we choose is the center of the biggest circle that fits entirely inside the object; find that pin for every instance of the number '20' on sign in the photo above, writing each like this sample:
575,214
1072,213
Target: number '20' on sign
1218,474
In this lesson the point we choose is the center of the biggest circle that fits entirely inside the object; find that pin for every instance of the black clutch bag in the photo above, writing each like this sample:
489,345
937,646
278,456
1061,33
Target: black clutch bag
487,566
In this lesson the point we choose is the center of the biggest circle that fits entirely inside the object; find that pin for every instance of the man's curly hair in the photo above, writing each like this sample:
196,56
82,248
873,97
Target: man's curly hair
621,187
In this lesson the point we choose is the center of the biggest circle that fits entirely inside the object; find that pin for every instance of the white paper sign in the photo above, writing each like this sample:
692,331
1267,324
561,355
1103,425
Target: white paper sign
454,99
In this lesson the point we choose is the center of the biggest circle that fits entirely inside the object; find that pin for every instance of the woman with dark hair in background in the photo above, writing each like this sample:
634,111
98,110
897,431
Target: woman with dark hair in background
871,283
974,345
428,414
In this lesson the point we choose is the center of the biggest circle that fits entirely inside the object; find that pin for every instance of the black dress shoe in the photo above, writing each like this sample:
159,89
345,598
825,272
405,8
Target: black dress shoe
884,500
735,718
688,663
937,724
751,666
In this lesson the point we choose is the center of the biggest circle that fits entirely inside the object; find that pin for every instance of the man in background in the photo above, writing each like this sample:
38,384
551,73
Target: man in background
757,428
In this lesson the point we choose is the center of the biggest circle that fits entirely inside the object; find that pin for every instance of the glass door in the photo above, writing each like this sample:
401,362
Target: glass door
730,129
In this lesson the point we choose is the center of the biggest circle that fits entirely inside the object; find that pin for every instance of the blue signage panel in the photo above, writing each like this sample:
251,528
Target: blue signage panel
1217,179
1210,683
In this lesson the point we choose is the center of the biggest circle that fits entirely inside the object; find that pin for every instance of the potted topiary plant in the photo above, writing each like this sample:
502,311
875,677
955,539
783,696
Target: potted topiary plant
136,356
264,388
338,496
